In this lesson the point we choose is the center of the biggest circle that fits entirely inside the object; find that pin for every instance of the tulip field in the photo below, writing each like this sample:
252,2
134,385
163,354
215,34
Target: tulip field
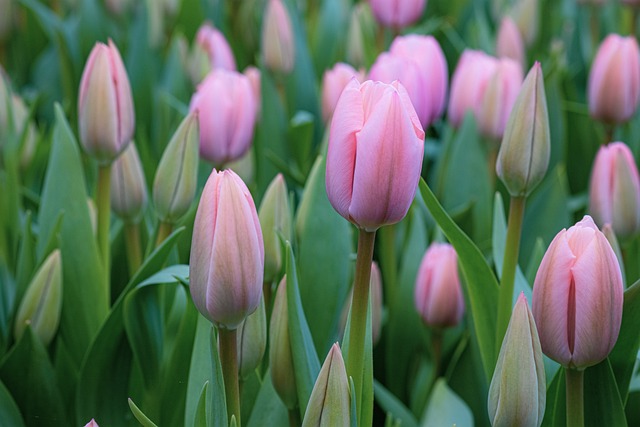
398,213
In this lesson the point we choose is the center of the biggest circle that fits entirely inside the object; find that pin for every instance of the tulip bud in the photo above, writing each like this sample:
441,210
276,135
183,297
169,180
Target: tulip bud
499,98
227,115
92,423
614,80
14,122
361,31
397,13
129,190
275,219
252,341
218,52
278,50
524,153
468,84
105,106
333,83
509,43
577,297
615,189
174,186
374,159
438,295
227,253
6,18
280,357
525,15
330,401
517,395
375,284
42,302
608,232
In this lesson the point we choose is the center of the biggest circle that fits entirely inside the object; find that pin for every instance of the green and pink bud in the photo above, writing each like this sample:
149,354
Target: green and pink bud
275,220
280,356
128,186
278,44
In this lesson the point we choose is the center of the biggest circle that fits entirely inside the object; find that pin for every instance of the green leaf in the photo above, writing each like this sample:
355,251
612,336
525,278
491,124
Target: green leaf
324,239
9,412
480,283
305,359
446,408
268,409
201,416
330,34
390,404
218,398
26,258
354,408
623,355
140,416
86,295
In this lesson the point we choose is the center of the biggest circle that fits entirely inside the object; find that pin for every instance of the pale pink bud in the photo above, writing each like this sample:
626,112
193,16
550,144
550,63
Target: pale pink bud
227,115
215,45
577,297
615,189
438,295
278,48
333,82
105,107
397,13
614,80
118,7
498,98
128,186
227,252
92,423
468,84
509,43
374,160
253,74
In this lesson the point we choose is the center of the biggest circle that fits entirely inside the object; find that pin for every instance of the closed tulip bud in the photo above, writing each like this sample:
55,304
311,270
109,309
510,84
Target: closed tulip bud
524,153
397,13
213,42
499,98
577,297
174,186
517,395
374,160
92,423
468,84
275,219
129,190
376,305
614,80
615,189
15,123
438,295
42,302
280,357
525,15
227,252
252,341
509,43
227,111
361,30
105,106
333,83
278,43
330,400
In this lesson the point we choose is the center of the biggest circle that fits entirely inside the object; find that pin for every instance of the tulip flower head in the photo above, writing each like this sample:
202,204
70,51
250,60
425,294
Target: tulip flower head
227,252
278,44
615,189
438,295
280,356
216,46
614,80
397,13
129,189
374,160
105,105
509,43
577,297
333,83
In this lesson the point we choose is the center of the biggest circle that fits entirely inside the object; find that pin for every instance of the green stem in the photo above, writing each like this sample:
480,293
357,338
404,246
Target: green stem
358,319
134,248
575,397
164,230
294,418
103,206
634,20
387,259
436,360
511,250
229,362
608,133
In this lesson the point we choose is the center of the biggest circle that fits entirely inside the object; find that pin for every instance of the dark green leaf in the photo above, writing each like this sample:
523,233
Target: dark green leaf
9,412
390,403
268,409
140,416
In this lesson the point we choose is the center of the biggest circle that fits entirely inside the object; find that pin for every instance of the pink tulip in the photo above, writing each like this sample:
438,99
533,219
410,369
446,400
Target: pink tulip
105,105
253,74
468,84
278,47
333,82
498,98
129,189
577,297
374,160
227,252
438,295
615,189
92,423
509,43
397,13
614,81
215,45
227,115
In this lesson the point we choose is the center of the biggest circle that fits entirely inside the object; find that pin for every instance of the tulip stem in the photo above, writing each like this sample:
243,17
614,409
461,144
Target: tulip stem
358,319
103,205
133,246
509,265
229,362
388,261
575,397
294,418
164,230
